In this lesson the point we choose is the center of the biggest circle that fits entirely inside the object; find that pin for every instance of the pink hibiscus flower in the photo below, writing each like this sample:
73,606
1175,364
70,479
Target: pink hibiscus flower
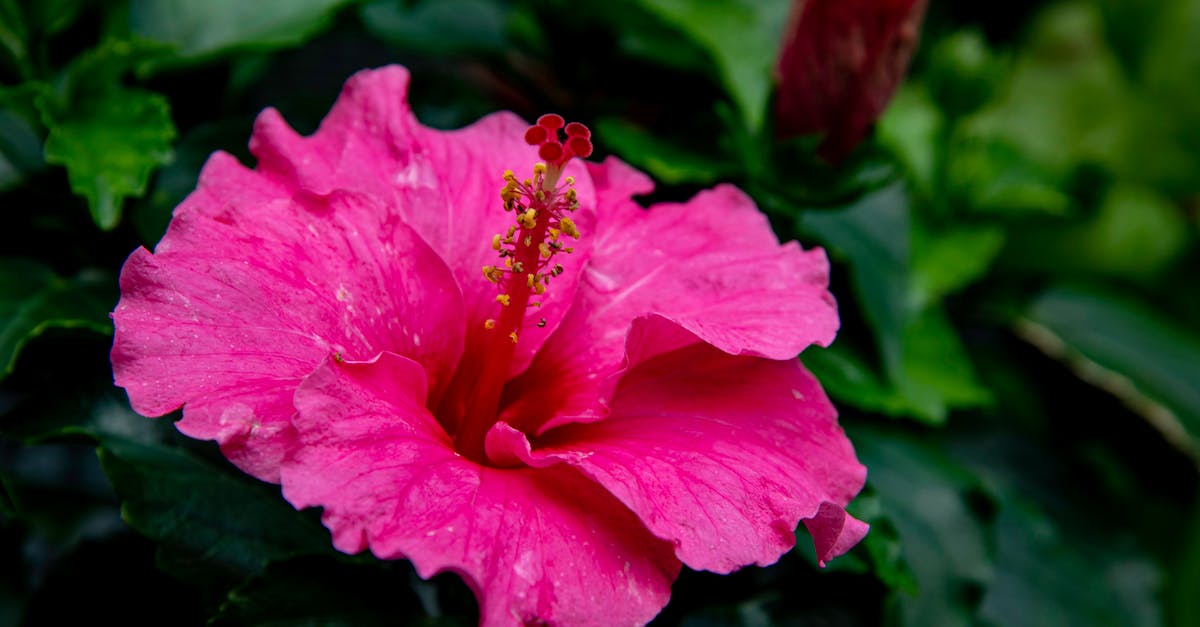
615,394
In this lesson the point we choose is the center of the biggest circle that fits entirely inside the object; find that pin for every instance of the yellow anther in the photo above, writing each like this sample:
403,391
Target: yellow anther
513,336
508,261
529,279
491,273
528,241
509,176
568,226
518,267
539,169
511,231
553,232
571,195
527,183
528,219
570,180
544,249
503,299
496,242
539,288
489,324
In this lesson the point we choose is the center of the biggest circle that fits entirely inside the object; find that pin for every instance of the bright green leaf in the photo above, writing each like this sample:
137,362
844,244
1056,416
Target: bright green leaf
1124,347
200,30
743,37
33,300
110,144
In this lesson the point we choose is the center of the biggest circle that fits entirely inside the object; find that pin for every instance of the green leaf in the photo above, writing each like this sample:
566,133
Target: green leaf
1128,349
936,375
13,35
212,523
927,371
881,552
874,236
326,591
949,260
443,27
33,300
849,379
1165,150
1049,110
666,162
201,30
20,149
912,127
988,175
944,529
1135,234
110,145
743,38
1045,576
1065,552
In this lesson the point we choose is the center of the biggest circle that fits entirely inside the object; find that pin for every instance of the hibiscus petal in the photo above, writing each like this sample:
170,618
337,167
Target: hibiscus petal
721,454
541,544
248,291
445,184
712,265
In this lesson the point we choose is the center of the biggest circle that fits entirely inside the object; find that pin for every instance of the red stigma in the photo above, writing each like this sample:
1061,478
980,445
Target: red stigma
536,135
575,129
551,147
551,152
580,146
550,121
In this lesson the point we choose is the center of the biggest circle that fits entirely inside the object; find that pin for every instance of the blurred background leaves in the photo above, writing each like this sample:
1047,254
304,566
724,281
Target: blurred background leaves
1015,259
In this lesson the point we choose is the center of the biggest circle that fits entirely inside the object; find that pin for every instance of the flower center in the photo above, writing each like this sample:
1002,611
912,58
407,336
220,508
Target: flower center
526,265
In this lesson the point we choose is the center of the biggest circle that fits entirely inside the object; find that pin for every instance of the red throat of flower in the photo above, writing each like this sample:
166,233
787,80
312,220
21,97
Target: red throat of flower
526,266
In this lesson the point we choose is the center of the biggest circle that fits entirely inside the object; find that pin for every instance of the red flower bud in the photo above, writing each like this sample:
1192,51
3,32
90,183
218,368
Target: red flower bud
840,64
